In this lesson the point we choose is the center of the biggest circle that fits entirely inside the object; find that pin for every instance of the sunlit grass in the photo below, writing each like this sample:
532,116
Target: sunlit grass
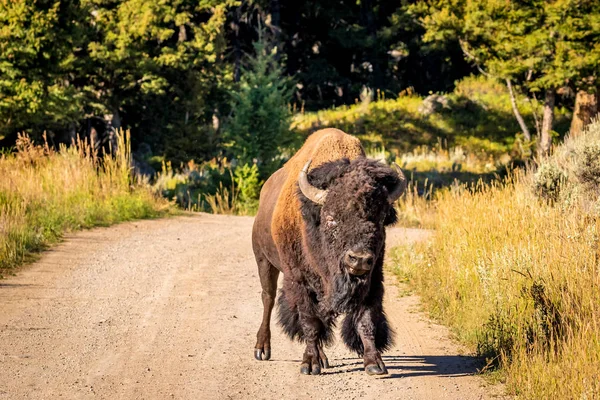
517,278
45,192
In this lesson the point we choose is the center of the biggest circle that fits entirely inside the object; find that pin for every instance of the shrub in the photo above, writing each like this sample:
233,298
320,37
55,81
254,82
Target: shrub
576,164
248,188
587,168
548,180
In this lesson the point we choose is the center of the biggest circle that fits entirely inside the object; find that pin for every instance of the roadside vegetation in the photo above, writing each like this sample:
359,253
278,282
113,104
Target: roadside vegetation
473,130
513,268
476,116
45,193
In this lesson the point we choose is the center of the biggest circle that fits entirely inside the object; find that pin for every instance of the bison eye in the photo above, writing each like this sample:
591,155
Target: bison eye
330,222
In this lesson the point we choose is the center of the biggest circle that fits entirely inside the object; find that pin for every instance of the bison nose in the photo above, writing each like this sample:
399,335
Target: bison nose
358,263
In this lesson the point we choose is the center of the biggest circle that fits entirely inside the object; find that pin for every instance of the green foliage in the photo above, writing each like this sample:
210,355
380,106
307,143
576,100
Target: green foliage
258,128
155,67
40,45
477,117
165,57
545,44
248,186
189,186
213,186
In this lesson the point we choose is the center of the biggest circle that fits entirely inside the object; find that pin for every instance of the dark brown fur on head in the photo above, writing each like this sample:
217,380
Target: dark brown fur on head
353,217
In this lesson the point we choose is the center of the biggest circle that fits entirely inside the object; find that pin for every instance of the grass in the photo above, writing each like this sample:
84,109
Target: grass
517,276
477,117
45,193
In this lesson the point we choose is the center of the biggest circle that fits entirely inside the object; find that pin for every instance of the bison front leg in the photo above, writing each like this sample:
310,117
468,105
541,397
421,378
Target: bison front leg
305,327
314,357
368,326
366,332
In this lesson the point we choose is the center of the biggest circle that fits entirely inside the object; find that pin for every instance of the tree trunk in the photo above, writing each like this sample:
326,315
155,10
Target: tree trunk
116,119
548,118
518,116
274,25
369,19
586,108
237,49
276,18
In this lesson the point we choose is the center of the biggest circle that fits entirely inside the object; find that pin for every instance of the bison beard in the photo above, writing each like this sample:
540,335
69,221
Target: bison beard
325,230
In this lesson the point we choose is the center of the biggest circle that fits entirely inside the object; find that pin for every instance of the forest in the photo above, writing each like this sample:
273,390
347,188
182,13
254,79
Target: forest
179,75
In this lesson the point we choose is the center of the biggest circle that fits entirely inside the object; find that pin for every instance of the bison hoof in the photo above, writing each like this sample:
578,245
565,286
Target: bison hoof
323,358
262,355
375,369
307,369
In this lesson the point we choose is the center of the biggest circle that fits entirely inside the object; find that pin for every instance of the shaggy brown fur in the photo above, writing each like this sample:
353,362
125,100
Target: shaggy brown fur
308,242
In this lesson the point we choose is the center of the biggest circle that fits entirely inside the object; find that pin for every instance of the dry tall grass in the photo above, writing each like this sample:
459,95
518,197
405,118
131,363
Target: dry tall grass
518,278
44,193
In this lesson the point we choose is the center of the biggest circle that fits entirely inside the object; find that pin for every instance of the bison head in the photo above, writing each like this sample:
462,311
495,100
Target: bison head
346,206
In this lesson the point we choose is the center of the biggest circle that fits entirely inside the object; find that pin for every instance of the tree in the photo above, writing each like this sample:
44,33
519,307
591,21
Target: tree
259,125
158,67
335,49
41,44
544,45
155,67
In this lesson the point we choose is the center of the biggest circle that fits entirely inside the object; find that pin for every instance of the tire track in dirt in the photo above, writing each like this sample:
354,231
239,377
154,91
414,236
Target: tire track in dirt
168,309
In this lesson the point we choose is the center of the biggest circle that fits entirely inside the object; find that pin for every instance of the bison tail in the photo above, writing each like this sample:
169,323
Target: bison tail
384,335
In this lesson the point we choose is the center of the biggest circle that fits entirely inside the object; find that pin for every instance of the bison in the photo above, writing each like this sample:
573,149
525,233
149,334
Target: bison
324,228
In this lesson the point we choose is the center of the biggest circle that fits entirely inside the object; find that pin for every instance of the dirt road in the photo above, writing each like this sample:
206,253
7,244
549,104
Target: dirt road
169,309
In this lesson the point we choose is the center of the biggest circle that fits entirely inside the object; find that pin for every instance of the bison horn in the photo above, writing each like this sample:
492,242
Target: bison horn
313,193
400,187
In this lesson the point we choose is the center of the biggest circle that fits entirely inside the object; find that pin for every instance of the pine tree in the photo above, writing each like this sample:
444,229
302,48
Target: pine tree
259,126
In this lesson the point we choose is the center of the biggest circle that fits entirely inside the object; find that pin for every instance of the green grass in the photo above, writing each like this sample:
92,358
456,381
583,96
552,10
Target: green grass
45,193
478,118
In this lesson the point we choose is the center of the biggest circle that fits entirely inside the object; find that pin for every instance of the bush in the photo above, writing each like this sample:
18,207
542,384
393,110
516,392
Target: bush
214,186
587,168
576,164
248,188
548,180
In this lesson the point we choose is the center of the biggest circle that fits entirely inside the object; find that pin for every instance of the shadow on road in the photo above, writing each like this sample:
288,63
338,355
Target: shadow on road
406,366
